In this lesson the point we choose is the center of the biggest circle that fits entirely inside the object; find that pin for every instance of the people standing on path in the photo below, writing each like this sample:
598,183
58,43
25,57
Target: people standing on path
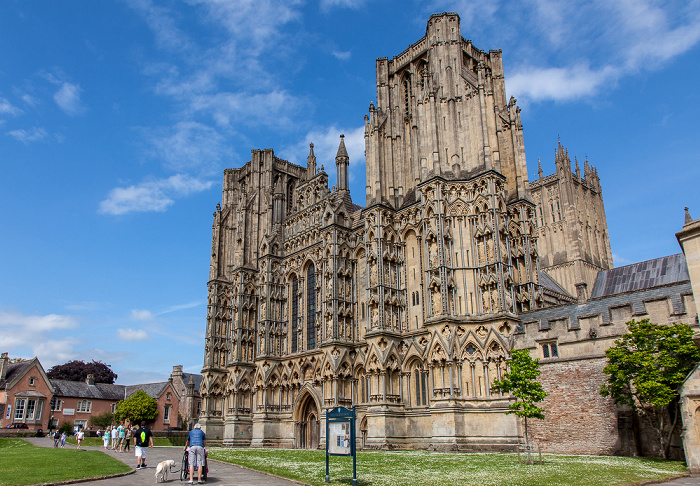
63,439
197,441
56,438
79,436
121,434
105,438
143,439
115,437
127,438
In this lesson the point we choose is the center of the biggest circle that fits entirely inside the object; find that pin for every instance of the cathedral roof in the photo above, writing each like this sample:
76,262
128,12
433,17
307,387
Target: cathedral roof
643,275
548,282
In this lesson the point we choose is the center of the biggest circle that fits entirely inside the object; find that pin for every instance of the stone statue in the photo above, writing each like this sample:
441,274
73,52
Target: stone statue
437,301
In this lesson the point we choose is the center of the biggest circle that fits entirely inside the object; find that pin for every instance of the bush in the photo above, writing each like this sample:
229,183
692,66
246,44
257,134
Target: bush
66,427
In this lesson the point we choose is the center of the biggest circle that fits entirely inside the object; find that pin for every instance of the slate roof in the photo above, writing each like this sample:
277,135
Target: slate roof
548,282
197,379
80,389
12,370
643,275
152,389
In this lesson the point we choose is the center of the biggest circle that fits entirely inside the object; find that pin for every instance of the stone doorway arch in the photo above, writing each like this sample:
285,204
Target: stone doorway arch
307,423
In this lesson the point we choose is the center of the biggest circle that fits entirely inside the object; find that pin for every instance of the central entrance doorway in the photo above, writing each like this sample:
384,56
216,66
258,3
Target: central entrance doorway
308,424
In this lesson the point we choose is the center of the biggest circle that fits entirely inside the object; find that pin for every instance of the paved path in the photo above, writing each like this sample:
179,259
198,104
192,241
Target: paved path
219,473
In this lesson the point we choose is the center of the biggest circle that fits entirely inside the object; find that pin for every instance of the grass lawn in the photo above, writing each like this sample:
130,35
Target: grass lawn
23,463
412,468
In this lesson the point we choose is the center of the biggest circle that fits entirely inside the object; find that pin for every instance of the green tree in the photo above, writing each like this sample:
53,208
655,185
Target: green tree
521,382
136,408
646,367
102,420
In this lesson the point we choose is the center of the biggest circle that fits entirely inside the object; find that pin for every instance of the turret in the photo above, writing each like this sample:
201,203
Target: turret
311,163
341,161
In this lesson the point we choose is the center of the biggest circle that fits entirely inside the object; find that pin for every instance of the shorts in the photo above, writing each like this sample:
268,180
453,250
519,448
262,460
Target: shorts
196,456
140,451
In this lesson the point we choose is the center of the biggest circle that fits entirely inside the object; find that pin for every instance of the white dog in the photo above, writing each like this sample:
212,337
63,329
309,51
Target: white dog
162,470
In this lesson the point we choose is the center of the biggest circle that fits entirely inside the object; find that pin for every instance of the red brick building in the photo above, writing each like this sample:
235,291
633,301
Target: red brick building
25,393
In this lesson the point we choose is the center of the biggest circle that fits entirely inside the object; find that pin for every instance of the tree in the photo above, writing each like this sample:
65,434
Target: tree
102,420
136,408
78,370
646,367
521,382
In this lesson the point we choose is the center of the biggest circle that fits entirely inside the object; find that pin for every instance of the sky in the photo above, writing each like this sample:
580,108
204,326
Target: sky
117,119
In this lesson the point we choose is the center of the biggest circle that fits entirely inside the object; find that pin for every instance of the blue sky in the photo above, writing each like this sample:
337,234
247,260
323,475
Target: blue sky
117,119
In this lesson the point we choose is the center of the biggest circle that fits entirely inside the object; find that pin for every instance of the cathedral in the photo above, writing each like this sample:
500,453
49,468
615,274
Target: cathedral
405,308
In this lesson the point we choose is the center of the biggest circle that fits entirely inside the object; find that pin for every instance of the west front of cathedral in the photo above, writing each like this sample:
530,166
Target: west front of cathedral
405,308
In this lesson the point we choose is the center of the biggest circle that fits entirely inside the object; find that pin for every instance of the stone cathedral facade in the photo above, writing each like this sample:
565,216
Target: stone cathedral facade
405,308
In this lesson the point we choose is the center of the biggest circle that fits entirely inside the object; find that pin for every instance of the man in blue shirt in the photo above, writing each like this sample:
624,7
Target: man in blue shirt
197,441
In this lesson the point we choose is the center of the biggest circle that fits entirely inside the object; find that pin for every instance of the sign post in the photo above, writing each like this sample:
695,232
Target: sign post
340,438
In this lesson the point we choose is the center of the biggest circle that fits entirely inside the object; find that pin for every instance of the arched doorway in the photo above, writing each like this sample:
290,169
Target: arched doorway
307,425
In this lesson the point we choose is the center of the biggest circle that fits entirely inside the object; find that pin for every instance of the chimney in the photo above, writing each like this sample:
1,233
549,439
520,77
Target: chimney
177,371
90,380
4,361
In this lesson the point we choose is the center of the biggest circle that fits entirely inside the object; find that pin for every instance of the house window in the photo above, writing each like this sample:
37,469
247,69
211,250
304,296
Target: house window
31,408
167,396
19,408
55,404
84,406
166,414
549,350
32,381
113,408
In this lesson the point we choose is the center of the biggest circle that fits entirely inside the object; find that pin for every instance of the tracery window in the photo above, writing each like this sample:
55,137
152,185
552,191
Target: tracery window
311,307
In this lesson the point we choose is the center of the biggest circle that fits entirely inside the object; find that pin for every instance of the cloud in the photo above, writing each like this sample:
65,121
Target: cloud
177,308
68,99
354,4
141,315
342,55
43,336
188,146
149,196
36,134
6,108
559,83
132,335
620,260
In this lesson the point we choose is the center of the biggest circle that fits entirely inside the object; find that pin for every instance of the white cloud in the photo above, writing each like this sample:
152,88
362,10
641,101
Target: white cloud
141,315
132,335
354,4
188,146
149,196
342,55
619,260
177,308
559,83
6,108
35,134
68,98
44,336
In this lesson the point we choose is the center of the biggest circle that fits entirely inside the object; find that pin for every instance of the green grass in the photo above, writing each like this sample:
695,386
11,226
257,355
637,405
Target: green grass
23,463
413,468
97,441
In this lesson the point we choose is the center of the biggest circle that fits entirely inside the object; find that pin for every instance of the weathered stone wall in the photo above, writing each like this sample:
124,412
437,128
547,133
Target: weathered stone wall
578,420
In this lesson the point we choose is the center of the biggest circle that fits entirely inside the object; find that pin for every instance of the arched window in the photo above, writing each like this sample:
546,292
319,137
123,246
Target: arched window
311,307
295,314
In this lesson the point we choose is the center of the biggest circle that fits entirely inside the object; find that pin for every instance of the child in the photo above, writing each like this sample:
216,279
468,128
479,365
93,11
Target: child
63,439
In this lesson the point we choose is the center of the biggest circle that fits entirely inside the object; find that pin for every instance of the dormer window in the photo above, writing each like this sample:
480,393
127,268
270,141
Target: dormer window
32,381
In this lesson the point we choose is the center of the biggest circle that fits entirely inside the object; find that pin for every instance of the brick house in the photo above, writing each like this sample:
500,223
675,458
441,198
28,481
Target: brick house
25,392
77,401
168,402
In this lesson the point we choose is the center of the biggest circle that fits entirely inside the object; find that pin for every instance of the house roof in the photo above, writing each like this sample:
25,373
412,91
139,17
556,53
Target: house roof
80,389
197,379
152,389
14,370
643,275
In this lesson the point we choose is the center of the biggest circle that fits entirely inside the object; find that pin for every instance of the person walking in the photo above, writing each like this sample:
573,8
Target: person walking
143,439
127,439
105,439
121,436
115,438
63,440
197,441
56,438
79,436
